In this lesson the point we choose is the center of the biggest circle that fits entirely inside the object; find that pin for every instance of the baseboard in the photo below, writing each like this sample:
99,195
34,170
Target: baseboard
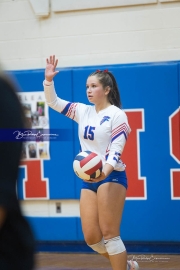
132,247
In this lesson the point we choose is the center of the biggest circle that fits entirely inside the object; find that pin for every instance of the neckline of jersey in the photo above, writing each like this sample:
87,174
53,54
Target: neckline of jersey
102,109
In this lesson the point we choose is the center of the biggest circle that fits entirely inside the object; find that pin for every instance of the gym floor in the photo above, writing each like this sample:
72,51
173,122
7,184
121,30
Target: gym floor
70,261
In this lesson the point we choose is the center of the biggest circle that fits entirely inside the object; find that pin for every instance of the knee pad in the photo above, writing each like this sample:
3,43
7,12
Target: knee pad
99,247
114,245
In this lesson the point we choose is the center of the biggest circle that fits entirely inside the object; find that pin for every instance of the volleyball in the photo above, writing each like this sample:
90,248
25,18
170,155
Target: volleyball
87,165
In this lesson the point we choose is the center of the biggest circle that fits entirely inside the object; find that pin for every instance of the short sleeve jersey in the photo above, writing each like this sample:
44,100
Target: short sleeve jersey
104,133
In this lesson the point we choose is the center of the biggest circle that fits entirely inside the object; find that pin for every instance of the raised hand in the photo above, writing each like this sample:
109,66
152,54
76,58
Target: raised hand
50,71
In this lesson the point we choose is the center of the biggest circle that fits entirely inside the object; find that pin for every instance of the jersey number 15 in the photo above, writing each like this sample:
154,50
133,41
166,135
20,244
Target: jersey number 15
89,133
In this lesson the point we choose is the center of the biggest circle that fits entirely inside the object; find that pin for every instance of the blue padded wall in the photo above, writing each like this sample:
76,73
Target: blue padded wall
153,87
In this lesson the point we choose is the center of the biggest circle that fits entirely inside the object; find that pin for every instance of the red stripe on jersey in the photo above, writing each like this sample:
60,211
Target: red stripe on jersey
70,110
95,168
122,126
119,131
74,111
86,159
117,127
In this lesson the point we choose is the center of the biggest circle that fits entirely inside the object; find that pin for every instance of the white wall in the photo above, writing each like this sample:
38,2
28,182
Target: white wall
142,33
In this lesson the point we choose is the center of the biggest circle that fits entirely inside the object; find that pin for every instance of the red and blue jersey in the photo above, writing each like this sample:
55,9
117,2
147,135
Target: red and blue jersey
104,132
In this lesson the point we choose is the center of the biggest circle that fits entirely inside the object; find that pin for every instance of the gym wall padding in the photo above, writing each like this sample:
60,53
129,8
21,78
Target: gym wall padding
153,88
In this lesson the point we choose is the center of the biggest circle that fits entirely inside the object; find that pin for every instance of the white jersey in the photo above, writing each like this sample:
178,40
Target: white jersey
104,133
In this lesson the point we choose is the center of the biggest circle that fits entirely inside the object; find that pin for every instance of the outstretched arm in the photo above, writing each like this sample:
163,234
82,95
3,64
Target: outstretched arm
50,71
67,108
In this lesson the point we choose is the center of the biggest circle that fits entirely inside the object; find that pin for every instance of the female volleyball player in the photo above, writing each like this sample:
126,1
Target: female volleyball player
103,128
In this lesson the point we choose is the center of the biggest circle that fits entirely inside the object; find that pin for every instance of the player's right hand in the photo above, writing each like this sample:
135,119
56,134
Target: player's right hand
50,71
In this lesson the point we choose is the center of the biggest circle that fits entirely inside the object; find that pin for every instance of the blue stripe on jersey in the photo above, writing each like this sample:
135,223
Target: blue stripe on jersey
115,159
65,110
119,134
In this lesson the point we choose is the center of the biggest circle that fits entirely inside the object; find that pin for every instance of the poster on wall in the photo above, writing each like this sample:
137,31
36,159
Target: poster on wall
37,120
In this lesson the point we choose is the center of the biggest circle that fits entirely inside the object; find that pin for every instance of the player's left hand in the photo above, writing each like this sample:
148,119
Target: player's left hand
98,179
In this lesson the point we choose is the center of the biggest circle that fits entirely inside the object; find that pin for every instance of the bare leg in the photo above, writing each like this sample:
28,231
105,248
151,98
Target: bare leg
89,217
90,205
111,198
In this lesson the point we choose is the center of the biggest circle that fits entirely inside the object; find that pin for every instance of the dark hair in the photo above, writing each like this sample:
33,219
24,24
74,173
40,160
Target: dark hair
12,117
10,105
106,78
